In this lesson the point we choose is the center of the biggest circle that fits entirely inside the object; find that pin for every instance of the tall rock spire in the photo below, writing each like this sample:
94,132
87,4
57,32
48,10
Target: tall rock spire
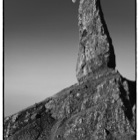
95,47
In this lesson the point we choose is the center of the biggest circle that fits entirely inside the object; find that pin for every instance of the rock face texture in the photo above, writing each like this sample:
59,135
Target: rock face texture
101,106
102,109
95,47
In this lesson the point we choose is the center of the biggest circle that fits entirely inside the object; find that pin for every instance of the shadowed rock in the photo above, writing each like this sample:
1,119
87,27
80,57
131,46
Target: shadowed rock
102,106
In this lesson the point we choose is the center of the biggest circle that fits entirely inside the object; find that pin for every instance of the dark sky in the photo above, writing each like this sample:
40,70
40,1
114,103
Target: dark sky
41,45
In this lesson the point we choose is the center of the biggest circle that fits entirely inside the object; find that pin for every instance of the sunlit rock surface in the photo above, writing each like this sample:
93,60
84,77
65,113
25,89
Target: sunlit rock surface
95,47
101,106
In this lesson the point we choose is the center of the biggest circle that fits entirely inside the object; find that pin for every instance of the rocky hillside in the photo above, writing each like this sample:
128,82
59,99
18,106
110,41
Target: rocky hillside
101,106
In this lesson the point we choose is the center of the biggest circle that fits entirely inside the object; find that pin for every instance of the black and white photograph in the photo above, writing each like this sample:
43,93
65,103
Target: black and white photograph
69,70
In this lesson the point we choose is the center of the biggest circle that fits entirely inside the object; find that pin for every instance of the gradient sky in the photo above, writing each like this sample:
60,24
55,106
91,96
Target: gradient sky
41,46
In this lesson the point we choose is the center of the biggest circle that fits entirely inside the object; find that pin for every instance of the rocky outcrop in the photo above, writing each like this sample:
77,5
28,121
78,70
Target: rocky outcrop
95,47
101,106
102,109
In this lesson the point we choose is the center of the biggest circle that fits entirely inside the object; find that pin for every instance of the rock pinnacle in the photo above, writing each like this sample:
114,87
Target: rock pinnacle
96,51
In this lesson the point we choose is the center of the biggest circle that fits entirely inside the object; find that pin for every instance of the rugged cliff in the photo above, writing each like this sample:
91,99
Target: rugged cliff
101,106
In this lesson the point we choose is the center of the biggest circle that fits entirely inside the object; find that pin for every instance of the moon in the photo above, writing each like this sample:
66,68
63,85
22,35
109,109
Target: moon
73,1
